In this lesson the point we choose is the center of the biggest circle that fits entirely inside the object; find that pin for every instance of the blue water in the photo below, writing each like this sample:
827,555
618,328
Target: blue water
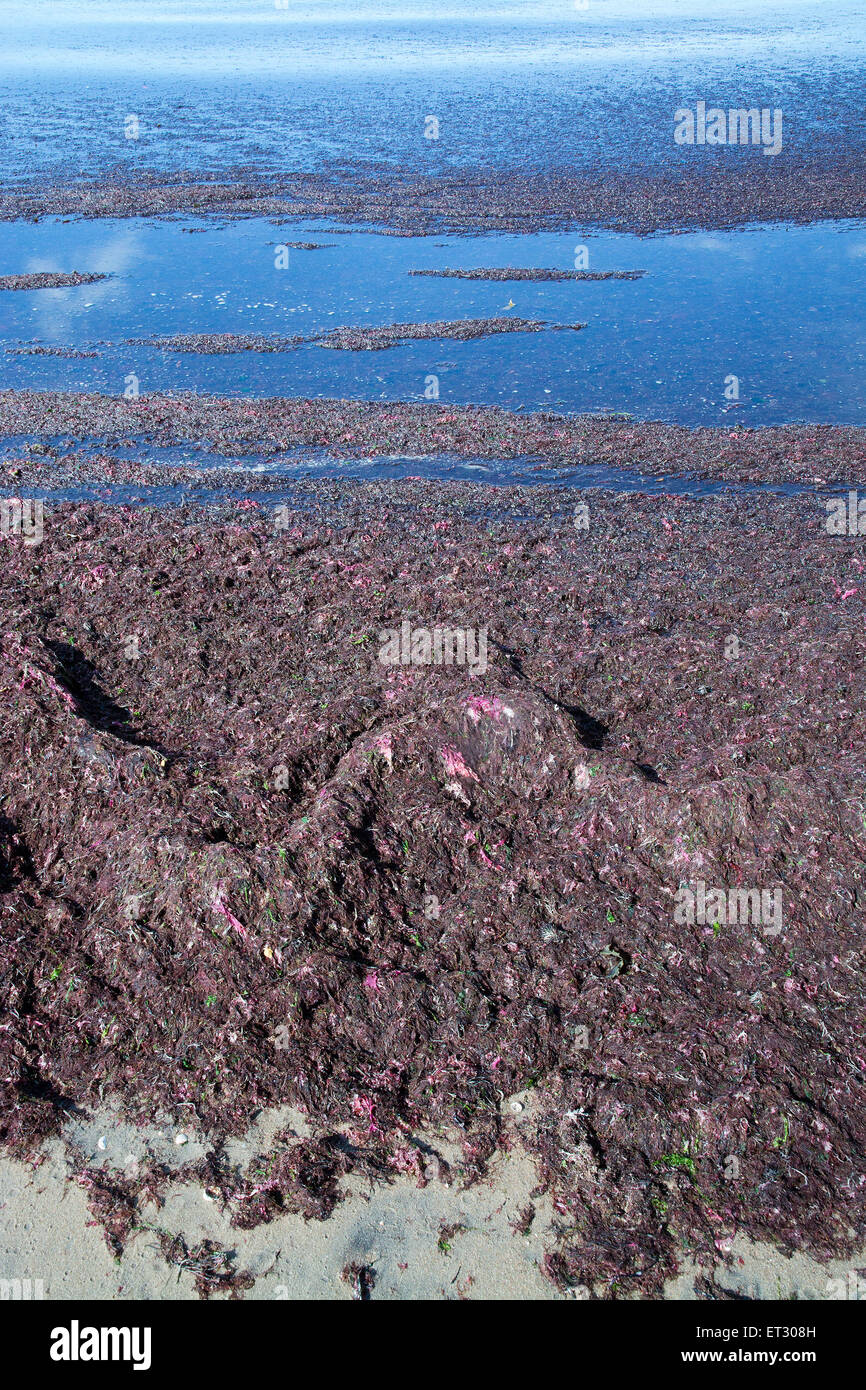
526,83
217,85
780,308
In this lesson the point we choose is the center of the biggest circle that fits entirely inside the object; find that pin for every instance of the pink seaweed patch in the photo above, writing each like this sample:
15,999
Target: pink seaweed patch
454,762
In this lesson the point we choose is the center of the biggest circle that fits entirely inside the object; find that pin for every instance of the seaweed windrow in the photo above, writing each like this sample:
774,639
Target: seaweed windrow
477,200
813,454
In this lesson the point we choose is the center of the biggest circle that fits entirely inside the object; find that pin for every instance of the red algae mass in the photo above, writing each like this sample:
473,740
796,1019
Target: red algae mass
244,862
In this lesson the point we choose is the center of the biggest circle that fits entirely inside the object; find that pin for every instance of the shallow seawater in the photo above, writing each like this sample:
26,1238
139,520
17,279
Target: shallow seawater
779,308
515,83
289,473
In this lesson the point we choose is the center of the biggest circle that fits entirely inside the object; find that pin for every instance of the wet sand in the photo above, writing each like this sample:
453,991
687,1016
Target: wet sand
441,1241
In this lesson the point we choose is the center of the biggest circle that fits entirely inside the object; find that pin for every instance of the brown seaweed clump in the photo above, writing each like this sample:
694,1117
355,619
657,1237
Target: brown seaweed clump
212,1266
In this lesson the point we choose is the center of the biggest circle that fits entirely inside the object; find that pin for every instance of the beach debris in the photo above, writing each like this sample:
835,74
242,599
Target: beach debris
361,1279
211,1264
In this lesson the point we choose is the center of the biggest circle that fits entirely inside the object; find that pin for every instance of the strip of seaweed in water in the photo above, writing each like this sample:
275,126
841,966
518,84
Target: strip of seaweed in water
351,339
492,199
530,273
48,280
37,350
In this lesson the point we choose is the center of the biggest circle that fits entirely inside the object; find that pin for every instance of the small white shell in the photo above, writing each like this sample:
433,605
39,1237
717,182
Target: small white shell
516,1107
102,1143
181,1138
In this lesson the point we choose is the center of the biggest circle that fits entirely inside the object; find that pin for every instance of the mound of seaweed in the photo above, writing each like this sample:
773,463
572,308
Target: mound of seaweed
243,862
